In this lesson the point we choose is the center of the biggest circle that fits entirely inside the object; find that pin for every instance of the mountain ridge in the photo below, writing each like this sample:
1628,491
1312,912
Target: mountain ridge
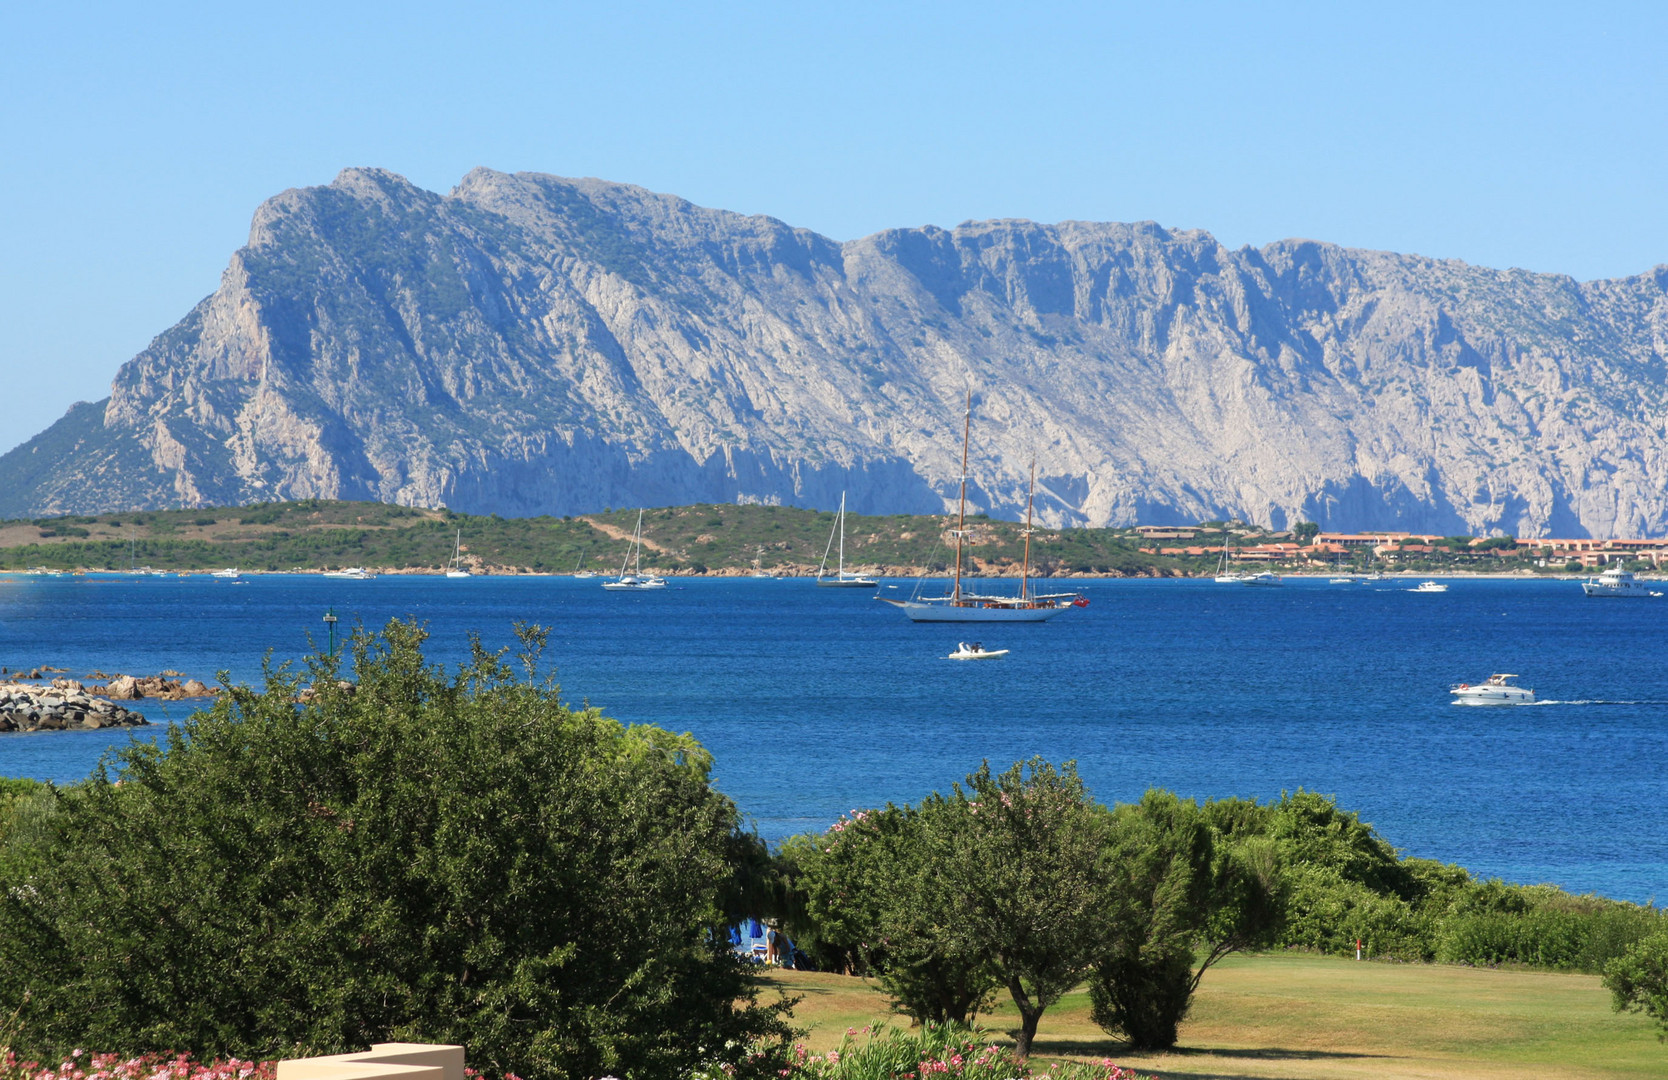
530,344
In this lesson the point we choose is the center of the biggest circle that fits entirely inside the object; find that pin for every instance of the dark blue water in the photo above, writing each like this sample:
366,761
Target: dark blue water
817,701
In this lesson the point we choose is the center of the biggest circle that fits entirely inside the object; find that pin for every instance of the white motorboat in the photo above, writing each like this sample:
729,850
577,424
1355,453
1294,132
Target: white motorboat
229,572
456,569
959,605
1262,578
1341,581
842,579
975,651
636,579
1617,582
1429,586
351,573
1497,690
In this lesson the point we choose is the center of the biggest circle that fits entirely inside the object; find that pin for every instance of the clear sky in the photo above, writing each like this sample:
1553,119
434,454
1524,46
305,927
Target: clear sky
137,139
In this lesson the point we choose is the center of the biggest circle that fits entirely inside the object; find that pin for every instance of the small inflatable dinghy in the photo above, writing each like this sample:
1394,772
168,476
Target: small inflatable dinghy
976,651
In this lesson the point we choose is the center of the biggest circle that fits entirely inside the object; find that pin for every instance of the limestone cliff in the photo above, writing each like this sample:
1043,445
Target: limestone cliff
531,344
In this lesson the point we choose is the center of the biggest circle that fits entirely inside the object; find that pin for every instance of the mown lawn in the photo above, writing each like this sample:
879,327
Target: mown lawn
1311,1017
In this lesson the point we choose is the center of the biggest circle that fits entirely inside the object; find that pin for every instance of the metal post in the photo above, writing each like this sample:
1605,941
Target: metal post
330,621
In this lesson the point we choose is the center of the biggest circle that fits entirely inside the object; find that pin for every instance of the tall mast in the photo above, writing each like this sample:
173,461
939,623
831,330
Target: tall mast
842,570
961,524
1025,574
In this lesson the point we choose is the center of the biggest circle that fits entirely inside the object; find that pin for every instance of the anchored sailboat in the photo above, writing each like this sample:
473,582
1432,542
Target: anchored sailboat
842,579
456,570
634,556
960,606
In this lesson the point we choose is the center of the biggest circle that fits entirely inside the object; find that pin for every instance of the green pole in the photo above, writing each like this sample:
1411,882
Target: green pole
330,621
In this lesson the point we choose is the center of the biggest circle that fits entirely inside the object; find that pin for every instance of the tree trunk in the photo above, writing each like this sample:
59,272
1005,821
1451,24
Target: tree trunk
1028,1018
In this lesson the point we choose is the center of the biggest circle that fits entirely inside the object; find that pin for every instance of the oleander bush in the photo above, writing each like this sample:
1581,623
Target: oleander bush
927,1052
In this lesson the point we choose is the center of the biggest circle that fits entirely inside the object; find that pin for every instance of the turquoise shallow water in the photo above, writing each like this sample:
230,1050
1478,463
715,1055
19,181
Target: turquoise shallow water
817,701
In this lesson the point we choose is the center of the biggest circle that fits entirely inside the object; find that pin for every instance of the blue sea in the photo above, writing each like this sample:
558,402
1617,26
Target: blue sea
818,701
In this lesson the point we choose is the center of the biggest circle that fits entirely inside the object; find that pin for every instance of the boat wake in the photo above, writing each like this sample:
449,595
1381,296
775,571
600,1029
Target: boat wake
1598,701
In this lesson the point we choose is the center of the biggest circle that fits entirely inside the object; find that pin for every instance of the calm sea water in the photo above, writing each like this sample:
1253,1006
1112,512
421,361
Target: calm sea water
817,701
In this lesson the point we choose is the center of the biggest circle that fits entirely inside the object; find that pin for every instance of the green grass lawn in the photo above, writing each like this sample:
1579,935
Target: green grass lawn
1310,1017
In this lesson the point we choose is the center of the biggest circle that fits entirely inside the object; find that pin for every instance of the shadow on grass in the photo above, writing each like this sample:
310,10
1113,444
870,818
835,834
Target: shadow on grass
1112,1048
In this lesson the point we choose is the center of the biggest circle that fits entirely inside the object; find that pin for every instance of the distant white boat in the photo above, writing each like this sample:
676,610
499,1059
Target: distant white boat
634,556
976,651
1616,582
842,579
1341,581
352,573
456,570
1223,576
1429,586
1263,579
229,572
1496,690
582,575
761,573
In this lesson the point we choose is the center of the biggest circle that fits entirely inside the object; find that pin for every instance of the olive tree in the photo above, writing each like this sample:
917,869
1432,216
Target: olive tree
1019,858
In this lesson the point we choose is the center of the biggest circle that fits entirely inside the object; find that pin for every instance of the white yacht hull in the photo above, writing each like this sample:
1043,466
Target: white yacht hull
1628,591
926,611
1488,695
847,583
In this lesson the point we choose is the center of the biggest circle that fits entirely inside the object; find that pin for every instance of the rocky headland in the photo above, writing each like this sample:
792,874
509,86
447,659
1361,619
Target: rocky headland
529,344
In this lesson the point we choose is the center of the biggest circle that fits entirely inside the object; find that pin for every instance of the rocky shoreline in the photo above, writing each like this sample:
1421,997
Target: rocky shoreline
63,706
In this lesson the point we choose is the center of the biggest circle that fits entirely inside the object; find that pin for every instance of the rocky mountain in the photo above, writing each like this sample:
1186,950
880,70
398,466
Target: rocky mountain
531,344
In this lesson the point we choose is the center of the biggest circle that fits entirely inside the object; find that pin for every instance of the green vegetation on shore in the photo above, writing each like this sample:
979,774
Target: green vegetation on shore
316,534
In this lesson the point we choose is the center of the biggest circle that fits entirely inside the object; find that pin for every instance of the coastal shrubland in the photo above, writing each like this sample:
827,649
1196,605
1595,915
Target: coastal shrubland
314,534
411,854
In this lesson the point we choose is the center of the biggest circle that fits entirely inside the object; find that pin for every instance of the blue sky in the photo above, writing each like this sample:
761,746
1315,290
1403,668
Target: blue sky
138,139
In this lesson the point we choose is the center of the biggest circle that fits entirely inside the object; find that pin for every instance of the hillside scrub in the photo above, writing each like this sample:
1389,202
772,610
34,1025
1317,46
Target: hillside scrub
409,856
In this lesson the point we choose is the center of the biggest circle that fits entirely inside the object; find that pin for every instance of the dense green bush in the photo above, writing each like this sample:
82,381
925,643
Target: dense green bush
1638,979
424,857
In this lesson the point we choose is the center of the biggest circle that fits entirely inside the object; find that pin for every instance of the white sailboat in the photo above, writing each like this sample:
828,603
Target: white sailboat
1223,577
579,574
841,579
456,570
960,606
636,579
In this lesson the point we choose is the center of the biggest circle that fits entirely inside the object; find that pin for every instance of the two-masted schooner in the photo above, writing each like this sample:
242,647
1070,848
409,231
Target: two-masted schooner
959,605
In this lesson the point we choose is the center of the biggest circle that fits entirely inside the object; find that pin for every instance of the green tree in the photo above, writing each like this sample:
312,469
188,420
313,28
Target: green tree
1019,857
1184,893
1304,532
425,857
1638,979
871,900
